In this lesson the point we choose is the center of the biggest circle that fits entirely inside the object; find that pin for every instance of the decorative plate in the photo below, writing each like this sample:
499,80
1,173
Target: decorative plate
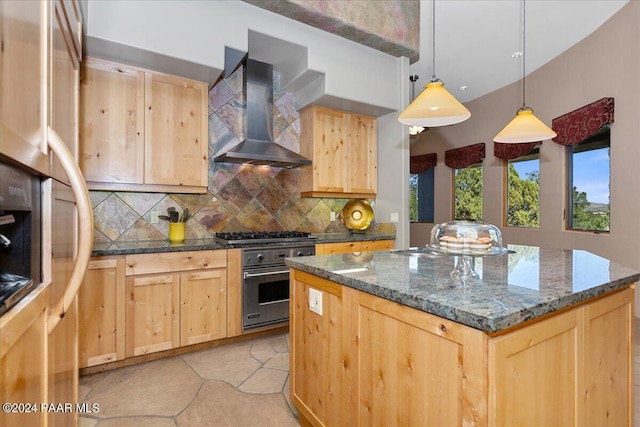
357,215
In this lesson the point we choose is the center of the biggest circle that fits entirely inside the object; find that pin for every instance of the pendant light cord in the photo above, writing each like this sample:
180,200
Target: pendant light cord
524,51
433,41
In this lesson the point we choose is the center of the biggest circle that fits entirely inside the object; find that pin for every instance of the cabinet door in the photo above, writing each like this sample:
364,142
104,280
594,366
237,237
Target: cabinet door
537,364
362,155
176,128
324,139
111,123
377,245
64,74
23,81
152,314
609,360
203,306
101,312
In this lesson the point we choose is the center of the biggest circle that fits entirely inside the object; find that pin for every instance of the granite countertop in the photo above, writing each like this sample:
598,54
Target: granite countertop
526,283
154,246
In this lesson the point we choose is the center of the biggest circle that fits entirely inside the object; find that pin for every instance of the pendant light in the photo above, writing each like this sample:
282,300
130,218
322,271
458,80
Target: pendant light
435,106
413,129
525,126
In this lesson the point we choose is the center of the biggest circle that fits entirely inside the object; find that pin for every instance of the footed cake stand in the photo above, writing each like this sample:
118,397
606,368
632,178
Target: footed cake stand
464,269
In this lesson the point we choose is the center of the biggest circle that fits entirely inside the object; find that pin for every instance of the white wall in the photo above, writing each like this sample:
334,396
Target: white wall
198,31
605,64
393,164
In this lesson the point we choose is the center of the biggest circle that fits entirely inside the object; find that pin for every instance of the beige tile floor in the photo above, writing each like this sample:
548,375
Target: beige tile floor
243,384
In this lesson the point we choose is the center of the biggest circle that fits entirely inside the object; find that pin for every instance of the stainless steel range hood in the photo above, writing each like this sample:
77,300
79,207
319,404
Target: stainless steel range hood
259,147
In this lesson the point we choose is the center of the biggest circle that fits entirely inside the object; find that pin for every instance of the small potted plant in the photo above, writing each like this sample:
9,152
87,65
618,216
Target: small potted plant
176,223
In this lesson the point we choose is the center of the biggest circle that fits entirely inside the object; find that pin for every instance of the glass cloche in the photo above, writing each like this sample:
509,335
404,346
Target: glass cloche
467,240
466,237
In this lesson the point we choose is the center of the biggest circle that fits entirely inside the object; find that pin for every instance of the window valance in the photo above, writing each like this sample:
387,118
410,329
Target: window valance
513,151
463,157
423,163
578,125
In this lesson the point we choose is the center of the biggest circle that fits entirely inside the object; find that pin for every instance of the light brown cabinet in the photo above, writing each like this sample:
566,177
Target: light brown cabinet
152,314
101,312
343,149
348,247
23,58
373,361
174,299
23,359
203,306
141,130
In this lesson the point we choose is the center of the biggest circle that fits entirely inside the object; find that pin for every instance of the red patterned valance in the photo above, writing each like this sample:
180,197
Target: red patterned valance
464,157
578,125
512,151
423,163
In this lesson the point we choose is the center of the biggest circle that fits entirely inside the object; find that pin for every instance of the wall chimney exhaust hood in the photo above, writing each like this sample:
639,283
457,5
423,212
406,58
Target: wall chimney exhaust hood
259,148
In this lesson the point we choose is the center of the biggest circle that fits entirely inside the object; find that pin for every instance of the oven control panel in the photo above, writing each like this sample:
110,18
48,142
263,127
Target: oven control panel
274,255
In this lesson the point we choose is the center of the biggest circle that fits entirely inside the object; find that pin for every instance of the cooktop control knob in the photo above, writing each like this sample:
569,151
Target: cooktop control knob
300,253
260,257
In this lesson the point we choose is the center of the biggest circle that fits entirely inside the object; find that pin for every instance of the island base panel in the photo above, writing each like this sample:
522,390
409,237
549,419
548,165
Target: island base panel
370,361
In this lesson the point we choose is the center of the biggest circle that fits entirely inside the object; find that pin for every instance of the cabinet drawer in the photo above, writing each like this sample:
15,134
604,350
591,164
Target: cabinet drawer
170,262
377,245
341,247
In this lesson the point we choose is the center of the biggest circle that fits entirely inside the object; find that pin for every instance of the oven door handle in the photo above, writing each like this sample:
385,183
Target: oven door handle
247,274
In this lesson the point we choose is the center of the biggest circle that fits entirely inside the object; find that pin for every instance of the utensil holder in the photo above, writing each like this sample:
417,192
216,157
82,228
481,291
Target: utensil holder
176,231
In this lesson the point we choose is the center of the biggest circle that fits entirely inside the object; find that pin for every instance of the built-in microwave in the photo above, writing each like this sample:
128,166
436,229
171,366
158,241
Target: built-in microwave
20,234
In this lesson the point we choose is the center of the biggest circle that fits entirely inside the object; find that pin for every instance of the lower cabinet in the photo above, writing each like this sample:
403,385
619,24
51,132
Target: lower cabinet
369,361
101,312
139,304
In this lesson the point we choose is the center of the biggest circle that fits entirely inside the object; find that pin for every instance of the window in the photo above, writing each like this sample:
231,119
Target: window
468,193
588,183
421,196
523,190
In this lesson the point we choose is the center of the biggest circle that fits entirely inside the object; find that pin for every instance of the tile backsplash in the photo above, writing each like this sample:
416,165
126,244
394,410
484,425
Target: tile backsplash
239,197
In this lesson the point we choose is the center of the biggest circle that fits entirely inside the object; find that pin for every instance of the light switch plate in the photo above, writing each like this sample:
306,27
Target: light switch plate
315,301
154,217
394,216
333,216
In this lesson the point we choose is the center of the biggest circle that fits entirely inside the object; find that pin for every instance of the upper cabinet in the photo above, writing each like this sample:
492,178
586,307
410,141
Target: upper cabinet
343,149
23,83
142,131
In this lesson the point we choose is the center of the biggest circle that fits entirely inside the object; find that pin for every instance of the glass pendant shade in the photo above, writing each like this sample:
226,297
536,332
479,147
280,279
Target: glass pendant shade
435,106
525,127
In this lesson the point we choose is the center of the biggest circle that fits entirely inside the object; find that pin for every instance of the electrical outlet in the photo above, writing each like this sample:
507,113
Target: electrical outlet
315,301
394,216
154,217
333,216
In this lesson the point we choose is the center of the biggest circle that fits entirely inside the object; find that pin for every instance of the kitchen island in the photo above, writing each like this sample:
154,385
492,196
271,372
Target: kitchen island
543,337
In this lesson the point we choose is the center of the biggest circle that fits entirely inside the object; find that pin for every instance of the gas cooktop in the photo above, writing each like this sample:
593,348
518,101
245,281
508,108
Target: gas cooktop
263,236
